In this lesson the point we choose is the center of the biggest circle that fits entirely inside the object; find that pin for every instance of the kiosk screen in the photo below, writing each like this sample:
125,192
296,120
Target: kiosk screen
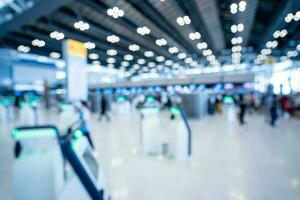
91,163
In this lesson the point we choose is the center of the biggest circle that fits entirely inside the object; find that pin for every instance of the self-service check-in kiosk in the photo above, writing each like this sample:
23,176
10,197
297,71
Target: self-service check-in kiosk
38,164
6,109
150,129
181,135
49,166
28,114
122,105
3,112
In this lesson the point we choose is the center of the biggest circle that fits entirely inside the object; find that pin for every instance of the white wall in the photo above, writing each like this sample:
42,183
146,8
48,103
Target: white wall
28,74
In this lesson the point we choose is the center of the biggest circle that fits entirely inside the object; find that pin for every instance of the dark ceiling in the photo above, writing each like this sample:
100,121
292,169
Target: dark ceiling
211,18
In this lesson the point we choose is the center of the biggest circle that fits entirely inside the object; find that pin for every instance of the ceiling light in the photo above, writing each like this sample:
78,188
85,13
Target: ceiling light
54,55
112,38
236,48
110,65
237,40
134,47
169,62
297,16
182,55
145,69
194,64
111,60
161,42
57,35
291,54
151,64
272,44
283,33
186,19
242,6
115,12
143,30
136,66
93,56
233,28
289,18
266,51
237,28
60,64
207,52
276,34
81,25
89,45
128,57
159,67
38,43
240,27
60,75
188,60
111,52
149,54
211,58
233,8
202,45
96,62
236,55
180,21
141,61
173,50
195,36
24,49
160,58
279,33
183,20
124,63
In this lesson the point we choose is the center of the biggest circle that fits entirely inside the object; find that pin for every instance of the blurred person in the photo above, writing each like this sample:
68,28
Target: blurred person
83,122
218,104
251,103
210,105
242,111
104,109
285,106
257,103
274,110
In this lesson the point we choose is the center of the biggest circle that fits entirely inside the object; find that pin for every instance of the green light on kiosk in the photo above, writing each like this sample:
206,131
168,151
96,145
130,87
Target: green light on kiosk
149,110
65,106
33,133
77,134
14,133
76,142
121,99
150,99
175,111
33,103
5,102
228,100
22,104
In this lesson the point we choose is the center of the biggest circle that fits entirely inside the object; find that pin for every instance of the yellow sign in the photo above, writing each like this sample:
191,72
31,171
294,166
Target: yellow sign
270,60
76,48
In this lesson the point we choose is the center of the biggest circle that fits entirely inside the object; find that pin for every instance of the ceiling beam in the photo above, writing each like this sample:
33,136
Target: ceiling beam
277,20
39,9
247,18
205,18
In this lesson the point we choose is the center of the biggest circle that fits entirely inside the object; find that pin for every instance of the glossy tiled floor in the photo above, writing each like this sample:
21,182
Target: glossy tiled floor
253,162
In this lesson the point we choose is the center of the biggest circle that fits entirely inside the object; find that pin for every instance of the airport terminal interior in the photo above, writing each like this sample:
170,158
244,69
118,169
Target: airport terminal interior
149,99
